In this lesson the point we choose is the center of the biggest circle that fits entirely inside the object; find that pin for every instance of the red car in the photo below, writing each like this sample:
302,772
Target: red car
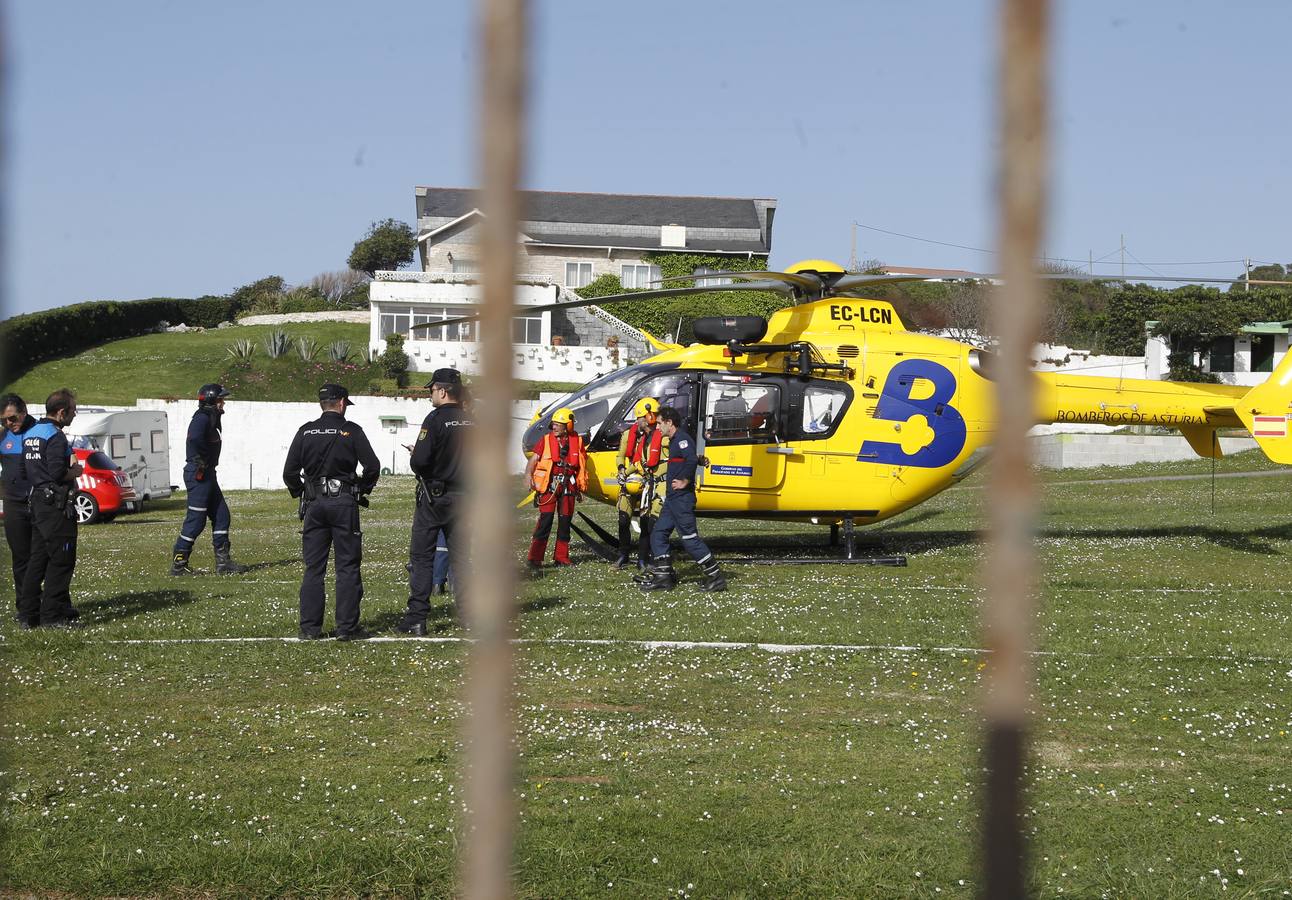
103,490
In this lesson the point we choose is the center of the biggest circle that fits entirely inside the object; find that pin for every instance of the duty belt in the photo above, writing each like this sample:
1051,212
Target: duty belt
333,487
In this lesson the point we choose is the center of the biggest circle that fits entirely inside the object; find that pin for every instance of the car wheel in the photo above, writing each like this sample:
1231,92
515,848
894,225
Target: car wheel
86,507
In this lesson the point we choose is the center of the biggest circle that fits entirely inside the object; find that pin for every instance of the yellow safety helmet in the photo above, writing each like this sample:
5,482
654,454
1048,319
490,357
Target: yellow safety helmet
633,484
647,407
564,415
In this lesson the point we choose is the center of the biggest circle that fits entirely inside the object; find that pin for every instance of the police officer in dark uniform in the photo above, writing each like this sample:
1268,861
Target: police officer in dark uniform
205,499
17,491
439,464
679,512
328,451
52,470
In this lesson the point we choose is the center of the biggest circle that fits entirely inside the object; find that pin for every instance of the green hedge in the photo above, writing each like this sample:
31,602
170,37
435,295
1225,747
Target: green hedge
29,339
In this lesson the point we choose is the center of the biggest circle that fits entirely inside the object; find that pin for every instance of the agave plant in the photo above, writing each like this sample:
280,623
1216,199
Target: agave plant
241,350
339,350
307,348
277,343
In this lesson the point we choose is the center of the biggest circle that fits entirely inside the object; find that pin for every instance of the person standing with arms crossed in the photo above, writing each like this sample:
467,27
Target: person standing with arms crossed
329,451
439,463
52,470
205,499
17,494
679,513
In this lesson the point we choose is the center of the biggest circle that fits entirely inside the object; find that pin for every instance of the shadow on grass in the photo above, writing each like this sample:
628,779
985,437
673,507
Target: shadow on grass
124,606
261,566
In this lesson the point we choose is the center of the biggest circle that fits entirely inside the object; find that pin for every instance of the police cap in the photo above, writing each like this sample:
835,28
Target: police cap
445,376
330,393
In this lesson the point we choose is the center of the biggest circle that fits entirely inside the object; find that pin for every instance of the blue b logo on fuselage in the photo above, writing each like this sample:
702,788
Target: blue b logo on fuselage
896,405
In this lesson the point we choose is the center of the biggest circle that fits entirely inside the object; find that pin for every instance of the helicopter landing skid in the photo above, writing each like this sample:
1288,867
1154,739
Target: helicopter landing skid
604,549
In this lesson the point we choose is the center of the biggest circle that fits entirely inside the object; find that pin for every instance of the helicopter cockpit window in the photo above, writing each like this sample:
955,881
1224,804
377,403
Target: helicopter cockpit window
741,413
675,389
822,406
590,404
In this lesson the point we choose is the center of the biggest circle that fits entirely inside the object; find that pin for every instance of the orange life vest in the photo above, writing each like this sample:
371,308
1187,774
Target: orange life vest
556,473
645,451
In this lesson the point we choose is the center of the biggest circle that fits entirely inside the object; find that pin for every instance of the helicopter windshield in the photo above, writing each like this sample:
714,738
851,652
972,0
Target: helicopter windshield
590,403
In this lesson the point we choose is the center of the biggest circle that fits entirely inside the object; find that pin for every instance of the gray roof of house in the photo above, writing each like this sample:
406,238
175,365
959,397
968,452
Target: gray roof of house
693,244
607,209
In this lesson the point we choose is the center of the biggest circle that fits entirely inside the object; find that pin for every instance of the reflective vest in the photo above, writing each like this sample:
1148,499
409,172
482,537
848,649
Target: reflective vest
568,474
644,449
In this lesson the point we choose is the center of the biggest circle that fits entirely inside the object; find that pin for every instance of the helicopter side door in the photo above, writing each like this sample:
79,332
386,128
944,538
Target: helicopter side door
741,422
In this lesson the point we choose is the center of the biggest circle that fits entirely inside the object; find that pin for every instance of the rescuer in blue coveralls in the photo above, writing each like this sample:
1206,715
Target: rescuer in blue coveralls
17,490
679,512
52,469
205,499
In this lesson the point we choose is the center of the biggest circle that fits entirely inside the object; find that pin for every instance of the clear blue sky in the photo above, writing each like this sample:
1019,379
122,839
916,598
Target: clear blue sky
177,149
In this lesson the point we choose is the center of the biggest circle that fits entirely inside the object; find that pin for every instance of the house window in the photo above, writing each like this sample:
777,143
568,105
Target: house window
578,274
638,276
395,322
465,266
709,282
1262,353
159,441
527,329
463,331
1221,355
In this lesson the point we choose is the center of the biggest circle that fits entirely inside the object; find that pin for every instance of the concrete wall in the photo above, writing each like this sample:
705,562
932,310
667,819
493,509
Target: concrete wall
257,435
1083,451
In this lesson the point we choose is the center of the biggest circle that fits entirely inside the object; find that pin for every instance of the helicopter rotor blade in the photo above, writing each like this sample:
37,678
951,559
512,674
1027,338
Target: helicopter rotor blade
853,281
806,282
612,299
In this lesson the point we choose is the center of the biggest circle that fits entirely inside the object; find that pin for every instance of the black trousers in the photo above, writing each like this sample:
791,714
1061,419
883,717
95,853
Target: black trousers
46,590
17,533
432,517
643,540
332,524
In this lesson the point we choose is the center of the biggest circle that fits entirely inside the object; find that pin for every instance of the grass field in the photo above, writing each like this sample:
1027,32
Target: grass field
176,364
1161,764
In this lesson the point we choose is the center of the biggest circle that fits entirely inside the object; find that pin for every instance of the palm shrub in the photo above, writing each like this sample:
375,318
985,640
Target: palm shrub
241,350
307,348
277,343
339,350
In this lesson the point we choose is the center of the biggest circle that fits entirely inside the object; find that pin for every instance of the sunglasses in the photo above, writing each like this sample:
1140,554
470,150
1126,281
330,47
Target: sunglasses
9,420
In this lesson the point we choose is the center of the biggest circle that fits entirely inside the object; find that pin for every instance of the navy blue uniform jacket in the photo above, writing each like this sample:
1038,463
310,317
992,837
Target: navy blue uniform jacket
682,460
46,454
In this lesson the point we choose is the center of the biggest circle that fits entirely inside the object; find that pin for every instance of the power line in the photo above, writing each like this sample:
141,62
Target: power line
1149,266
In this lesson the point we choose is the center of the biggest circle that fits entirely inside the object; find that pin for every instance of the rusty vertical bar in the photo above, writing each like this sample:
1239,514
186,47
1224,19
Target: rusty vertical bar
1010,564
487,857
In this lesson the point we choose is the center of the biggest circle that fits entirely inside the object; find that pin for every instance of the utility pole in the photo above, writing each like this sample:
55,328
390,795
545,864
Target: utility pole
1091,265
1123,256
1247,274
852,260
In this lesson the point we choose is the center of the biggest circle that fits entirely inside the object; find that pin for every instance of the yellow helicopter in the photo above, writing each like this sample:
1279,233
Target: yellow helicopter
830,411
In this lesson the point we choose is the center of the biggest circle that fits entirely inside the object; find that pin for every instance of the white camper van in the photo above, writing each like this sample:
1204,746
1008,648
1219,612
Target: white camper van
137,440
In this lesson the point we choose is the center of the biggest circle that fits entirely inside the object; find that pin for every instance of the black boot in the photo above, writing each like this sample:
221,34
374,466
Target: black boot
621,563
713,581
179,565
661,577
224,564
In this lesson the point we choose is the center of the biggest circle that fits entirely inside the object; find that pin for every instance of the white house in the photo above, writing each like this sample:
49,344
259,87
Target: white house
1247,358
566,241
